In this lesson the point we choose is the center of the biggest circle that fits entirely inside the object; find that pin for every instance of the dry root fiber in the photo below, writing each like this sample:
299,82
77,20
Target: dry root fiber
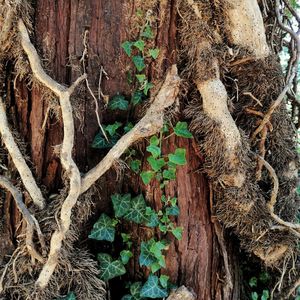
253,172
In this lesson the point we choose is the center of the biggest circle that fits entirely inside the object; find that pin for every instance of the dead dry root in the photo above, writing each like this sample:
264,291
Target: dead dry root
262,210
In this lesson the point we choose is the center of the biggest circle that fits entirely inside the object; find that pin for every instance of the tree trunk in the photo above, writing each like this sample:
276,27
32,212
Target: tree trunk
206,259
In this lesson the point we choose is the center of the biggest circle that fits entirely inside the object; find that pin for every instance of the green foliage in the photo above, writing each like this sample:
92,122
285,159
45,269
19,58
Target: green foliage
118,102
152,288
110,268
181,129
103,229
139,62
162,169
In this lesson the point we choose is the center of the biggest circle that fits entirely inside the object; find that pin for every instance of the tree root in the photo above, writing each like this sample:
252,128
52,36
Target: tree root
30,220
19,161
148,125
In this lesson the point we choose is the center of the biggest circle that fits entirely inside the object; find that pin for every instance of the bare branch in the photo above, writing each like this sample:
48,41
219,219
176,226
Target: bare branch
151,123
19,161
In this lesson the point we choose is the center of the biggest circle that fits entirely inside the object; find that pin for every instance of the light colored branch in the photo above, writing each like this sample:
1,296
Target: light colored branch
19,161
67,161
150,124
30,220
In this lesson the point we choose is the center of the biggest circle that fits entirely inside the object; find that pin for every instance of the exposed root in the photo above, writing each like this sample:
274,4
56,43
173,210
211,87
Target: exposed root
181,293
19,161
147,126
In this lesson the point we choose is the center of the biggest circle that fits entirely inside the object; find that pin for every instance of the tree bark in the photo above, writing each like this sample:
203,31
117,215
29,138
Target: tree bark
59,26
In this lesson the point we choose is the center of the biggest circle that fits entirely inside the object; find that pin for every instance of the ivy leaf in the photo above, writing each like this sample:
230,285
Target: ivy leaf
148,32
181,129
154,140
135,290
254,296
264,277
125,256
265,295
146,257
127,297
136,98
147,176
127,47
139,62
121,204
147,86
154,53
177,232
103,229
156,164
112,128
135,165
118,102
128,127
108,268
155,267
172,211
253,282
154,150
140,44
137,211
152,289
152,218
100,141
169,174
163,279
70,296
140,77
178,157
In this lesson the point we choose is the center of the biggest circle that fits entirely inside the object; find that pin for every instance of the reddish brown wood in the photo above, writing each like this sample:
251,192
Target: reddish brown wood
59,29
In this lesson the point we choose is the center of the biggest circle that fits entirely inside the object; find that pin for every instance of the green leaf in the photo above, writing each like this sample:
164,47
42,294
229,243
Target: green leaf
135,165
125,256
173,201
152,289
128,127
155,267
118,102
169,174
147,33
127,297
177,232
139,62
163,228
121,204
264,277
163,279
140,77
154,150
136,98
153,220
108,268
178,157
154,140
139,12
154,53
254,296
157,248
137,211
156,164
125,237
146,257
127,47
173,211
147,86
135,290
112,128
103,229
70,296
265,295
181,129
253,282
147,176
140,44
100,141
